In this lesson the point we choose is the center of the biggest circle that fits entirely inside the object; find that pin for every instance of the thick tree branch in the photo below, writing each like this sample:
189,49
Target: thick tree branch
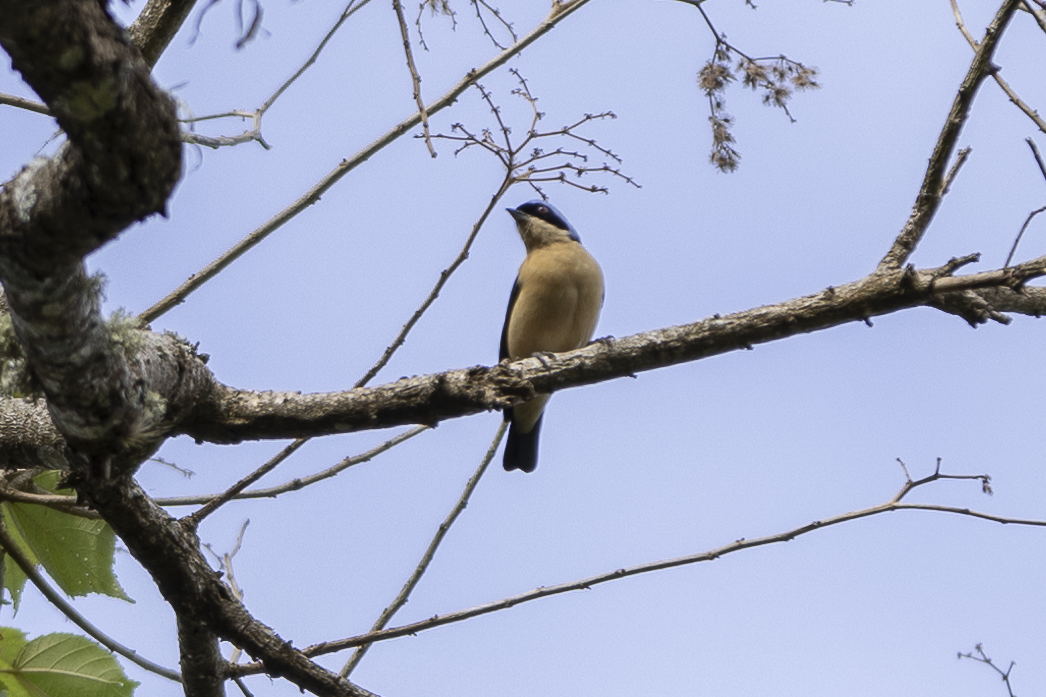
170,552
195,404
120,164
28,437
237,415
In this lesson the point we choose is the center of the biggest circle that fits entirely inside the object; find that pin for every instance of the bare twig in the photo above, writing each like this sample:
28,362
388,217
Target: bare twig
929,198
426,558
960,160
225,561
23,103
961,24
982,657
1027,221
437,6
996,75
910,484
65,504
414,76
521,160
193,520
256,116
350,9
1017,240
480,5
216,142
434,293
243,687
559,12
12,549
300,482
1038,157
894,504
1038,13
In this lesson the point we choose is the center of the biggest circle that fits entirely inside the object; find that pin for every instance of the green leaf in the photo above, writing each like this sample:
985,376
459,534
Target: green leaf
11,642
76,552
14,578
59,665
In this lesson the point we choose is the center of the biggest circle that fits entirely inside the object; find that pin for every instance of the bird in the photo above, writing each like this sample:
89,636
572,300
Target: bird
554,307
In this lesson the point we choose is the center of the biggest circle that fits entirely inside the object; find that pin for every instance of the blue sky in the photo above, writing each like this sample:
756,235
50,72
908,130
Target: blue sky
675,462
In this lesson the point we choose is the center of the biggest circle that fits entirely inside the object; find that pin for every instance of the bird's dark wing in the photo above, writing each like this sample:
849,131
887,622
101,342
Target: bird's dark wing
503,353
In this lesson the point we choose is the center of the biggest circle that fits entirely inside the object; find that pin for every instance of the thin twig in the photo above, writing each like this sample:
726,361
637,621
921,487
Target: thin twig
434,293
960,160
23,103
961,23
559,12
894,504
193,520
300,482
414,76
215,142
444,8
1039,14
350,10
521,167
426,558
479,4
996,75
1017,241
65,504
1027,221
225,560
256,116
983,658
586,584
1038,157
12,550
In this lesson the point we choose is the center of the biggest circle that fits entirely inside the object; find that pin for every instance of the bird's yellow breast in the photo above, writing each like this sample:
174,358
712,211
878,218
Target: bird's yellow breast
560,296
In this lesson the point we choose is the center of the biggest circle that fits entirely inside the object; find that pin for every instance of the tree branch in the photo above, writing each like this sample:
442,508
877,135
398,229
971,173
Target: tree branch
894,504
120,164
236,415
932,190
156,25
171,553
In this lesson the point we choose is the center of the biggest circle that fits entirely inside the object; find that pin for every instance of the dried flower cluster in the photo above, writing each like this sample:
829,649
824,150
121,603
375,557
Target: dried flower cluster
778,78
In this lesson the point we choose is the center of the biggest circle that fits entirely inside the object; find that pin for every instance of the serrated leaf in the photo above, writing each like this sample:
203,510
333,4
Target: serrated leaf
11,642
14,577
60,665
14,582
76,552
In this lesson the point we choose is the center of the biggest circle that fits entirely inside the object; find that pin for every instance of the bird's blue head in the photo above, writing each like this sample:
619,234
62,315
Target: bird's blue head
542,210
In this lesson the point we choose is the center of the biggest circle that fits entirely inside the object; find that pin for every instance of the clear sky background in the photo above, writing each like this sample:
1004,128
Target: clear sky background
675,462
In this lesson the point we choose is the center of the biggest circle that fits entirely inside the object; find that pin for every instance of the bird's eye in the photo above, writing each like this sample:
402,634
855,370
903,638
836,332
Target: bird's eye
542,210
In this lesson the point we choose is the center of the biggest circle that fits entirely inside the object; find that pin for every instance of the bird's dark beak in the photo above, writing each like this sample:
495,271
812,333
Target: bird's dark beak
518,216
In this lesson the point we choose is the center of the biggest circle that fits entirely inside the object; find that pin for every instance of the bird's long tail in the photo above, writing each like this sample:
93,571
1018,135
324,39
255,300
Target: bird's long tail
521,449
